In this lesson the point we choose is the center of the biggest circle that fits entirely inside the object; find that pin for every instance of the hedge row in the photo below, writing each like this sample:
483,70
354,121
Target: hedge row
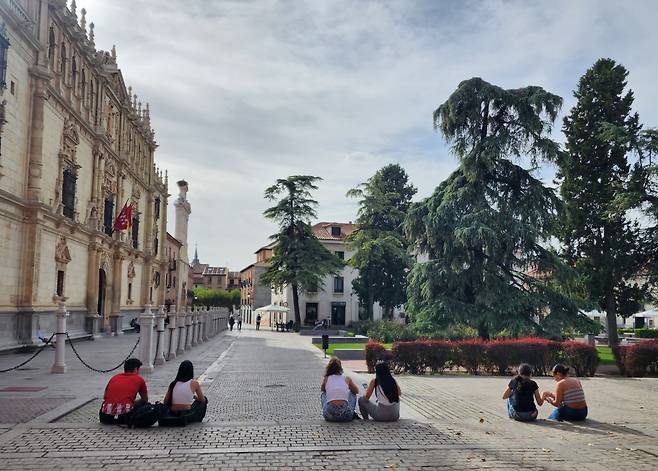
638,359
644,333
494,357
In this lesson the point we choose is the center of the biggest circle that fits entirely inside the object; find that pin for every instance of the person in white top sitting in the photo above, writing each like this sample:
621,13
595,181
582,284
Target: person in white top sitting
386,391
184,395
338,396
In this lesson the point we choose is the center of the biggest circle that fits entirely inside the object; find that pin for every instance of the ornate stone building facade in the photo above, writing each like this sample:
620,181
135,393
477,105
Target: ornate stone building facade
75,146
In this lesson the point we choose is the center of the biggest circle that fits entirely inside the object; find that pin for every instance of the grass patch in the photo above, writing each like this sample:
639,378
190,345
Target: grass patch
347,346
606,357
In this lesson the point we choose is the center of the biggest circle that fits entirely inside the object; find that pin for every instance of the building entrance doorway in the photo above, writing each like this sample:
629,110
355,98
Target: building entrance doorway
337,313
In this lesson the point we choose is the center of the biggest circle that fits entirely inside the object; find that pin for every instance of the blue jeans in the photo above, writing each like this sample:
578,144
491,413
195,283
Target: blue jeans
520,416
567,413
342,413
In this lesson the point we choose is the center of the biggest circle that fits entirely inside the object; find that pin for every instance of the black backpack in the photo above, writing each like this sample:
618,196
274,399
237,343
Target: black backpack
144,416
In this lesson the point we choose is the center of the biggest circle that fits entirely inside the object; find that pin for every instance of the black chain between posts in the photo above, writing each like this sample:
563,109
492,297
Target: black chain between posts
41,349
95,369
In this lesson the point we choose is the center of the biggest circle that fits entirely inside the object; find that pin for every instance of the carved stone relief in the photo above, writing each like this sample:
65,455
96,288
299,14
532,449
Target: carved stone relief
62,253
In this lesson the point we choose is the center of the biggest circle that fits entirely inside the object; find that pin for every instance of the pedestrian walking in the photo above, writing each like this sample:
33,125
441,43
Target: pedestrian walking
258,322
239,321
231,321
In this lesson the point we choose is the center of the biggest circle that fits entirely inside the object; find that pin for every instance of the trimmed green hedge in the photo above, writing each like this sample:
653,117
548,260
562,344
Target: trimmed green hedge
494,357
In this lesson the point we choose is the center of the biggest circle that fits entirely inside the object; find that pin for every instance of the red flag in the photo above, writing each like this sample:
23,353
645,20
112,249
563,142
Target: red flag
125,218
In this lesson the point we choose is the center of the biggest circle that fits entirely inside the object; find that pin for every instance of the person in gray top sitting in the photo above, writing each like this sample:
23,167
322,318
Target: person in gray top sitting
386,391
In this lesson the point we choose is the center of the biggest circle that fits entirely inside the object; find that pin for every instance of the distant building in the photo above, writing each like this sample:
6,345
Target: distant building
252,294
202,275
233,280
334,300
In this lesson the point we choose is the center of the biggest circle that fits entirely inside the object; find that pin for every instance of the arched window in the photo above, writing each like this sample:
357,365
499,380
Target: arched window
83,84
74,73
62,61
51,47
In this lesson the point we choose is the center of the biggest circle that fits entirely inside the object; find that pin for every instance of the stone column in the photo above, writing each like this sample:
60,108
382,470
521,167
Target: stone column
146,323
188,328
59,365
160,345
116,318
180,322
92,319
171,353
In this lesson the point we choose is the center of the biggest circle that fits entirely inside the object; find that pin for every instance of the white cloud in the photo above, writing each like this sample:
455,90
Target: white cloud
245,92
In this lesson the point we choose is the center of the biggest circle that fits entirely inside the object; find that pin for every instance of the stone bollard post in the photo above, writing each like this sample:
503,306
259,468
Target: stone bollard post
173,330
146,323
160,342
204,331
59,365
180,322
188,328
199,327
195,323
202,325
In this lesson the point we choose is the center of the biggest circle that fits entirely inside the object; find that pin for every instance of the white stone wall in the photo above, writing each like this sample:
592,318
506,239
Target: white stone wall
75,285
52,138
47,276
10,251
15,134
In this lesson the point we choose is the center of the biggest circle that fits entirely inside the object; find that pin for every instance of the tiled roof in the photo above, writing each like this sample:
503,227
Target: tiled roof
215,271
322,230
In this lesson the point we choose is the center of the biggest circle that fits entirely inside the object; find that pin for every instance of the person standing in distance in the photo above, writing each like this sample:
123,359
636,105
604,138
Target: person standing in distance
258,322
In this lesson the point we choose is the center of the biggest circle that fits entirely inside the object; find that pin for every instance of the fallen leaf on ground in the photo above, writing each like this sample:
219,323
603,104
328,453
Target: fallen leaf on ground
481,420
393,466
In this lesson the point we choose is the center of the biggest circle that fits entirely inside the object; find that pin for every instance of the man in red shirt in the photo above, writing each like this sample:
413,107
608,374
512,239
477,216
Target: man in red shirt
120,393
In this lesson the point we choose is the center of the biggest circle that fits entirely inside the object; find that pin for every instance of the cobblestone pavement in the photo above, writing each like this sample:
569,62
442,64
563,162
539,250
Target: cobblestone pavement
264,414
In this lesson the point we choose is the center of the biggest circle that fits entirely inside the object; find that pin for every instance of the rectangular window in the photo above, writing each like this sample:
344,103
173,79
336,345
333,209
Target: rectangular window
340,255
311,313
108,214
135,232
335,231
4,46
155,246
12,87
68,193
338,284
157,208
130,291
60,283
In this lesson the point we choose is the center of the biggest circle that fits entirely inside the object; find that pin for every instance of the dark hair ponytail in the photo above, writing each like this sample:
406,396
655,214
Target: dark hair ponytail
561,369
185,373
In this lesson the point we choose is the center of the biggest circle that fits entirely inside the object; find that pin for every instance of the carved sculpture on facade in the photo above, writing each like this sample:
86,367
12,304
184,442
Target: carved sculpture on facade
62,253
67,162
110,177
131,270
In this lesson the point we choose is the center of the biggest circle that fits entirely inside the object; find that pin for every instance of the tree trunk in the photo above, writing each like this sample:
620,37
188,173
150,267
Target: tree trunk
483,331
611,318
371,302
295,302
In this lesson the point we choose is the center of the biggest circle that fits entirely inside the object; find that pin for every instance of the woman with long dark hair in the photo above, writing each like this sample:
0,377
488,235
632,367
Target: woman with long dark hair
339,392
521,394
386,391
184,396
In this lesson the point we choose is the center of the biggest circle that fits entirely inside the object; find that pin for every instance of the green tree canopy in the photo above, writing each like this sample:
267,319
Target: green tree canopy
299,260
599,238
381,251
484,230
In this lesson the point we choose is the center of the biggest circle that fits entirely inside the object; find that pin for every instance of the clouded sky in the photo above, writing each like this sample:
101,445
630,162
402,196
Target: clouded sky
244,92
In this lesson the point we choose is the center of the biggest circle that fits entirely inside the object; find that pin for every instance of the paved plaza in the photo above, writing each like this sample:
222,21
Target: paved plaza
264,413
